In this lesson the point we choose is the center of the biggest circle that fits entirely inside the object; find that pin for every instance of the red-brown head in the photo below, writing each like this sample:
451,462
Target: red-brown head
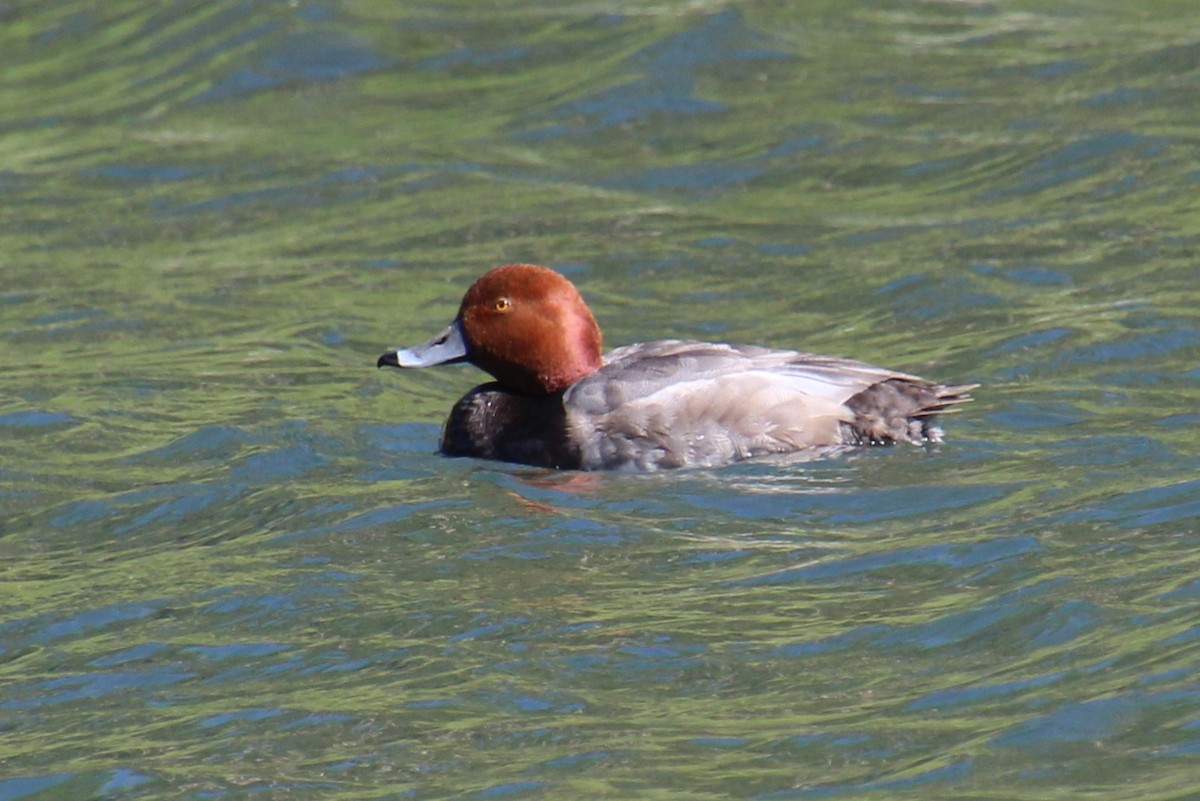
526,325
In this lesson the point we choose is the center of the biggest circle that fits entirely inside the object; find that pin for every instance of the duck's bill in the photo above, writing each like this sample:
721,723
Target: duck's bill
447,347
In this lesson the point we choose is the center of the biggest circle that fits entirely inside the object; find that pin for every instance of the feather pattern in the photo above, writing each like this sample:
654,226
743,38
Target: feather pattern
699,403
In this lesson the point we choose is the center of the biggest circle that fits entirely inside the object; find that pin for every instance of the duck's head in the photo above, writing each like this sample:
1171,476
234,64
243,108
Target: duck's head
525,325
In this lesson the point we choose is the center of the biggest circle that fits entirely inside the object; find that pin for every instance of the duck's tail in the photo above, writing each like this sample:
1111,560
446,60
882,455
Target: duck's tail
902,410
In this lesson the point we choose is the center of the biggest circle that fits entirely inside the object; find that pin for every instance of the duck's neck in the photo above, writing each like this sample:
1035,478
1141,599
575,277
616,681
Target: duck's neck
579,356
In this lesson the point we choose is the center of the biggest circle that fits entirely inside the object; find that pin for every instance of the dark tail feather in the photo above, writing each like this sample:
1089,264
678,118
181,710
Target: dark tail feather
902,410
946,399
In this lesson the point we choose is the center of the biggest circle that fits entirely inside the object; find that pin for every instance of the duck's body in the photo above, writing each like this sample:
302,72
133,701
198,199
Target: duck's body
656,405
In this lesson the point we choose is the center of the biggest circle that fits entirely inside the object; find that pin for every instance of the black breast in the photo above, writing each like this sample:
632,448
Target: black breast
491,423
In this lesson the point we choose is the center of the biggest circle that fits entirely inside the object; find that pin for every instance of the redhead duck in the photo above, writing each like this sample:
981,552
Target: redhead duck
558,402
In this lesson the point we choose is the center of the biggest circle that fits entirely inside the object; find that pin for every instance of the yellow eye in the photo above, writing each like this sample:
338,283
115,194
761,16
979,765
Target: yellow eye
502,304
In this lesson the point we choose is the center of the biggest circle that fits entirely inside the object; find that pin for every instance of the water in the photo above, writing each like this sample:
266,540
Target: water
233,566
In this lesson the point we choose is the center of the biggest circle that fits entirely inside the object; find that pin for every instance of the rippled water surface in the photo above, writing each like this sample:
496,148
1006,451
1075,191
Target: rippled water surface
233,566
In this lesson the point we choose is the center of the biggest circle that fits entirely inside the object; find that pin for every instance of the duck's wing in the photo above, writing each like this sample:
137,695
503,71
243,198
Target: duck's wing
678,403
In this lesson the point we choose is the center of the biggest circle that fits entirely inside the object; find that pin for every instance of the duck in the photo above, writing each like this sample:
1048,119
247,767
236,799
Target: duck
559,402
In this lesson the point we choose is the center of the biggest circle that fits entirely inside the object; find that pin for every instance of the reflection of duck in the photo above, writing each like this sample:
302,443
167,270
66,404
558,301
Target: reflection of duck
556,402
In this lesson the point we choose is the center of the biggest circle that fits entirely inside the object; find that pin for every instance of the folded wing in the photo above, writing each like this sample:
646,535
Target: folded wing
677,402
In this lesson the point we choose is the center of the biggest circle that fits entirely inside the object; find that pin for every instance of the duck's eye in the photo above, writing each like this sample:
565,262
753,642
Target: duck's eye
502,304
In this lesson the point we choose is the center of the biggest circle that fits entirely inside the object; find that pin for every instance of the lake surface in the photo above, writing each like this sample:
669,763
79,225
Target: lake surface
234,567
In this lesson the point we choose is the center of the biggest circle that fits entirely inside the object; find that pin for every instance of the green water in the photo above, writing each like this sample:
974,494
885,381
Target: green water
232,566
